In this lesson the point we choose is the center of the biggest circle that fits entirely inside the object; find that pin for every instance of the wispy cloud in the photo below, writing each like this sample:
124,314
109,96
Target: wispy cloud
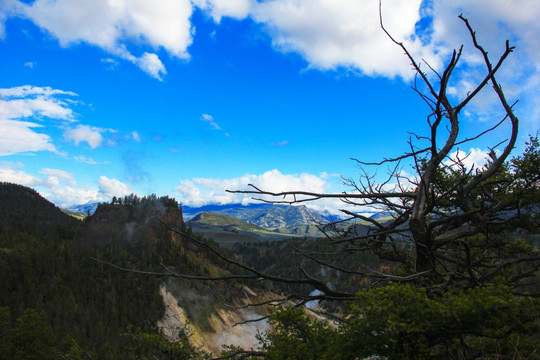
34,101
213,124
110,63
136,136
22,110
280,143
210,119
86,160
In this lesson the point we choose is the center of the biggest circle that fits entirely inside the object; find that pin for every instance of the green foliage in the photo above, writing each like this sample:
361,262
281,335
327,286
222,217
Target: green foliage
32,338
5,331
148,346
297,337
404,321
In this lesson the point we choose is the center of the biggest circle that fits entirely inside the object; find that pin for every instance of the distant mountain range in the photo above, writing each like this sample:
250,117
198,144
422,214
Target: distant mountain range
84,209
281,219
227,231
268,216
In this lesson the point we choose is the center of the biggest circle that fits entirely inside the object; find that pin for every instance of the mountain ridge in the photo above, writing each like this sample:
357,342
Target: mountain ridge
268,216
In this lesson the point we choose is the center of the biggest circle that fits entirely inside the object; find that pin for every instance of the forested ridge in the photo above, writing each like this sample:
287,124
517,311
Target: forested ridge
57,302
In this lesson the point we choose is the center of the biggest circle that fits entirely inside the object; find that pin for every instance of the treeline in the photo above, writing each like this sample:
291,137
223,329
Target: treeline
147,200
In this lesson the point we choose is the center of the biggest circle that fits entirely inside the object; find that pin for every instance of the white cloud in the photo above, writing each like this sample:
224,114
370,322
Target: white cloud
151,65
61,174
210,119
13,174
86,160
29,64
28,90
110,63
112,187
111,25
202,191
83,133
474,158
26,101
495,23
237,9
19,137
57,186
334,33
7,9
60,187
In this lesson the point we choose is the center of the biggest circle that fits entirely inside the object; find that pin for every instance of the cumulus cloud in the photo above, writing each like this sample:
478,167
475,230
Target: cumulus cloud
494,24
112,25
473,159
22,102
60,187
327,33
84,133
151,65
112,187
13,173
20,137
237,9
202,191
330,34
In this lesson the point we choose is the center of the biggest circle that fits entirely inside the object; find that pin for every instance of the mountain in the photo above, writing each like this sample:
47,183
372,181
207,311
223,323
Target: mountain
216,220
269,216
88,208
191,211
24,209
226,230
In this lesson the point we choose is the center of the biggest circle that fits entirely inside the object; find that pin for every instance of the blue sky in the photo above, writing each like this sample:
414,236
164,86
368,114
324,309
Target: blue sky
189,98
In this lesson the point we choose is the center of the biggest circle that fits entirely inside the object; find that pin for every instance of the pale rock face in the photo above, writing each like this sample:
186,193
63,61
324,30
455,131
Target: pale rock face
176,322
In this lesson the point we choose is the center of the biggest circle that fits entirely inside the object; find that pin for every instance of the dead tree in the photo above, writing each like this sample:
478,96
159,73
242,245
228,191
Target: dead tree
448,221
436,212
450,225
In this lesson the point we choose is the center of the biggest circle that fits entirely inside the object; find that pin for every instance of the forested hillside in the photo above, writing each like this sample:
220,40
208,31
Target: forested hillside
56,301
